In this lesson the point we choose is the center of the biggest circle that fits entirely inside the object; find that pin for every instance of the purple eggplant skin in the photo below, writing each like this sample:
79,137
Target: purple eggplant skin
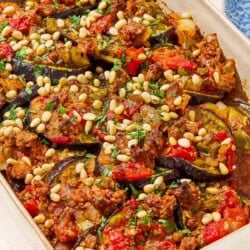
168,36
178,218
78,11
59,167
22,99
189,170
199,98
55,73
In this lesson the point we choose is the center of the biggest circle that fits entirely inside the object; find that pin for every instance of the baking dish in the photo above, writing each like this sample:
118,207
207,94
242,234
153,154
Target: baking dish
209,21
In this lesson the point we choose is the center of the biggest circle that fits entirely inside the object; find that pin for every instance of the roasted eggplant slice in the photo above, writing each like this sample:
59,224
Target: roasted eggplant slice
189,170
55,73
178,216
198,97
74,12
59,167
22,99
167,37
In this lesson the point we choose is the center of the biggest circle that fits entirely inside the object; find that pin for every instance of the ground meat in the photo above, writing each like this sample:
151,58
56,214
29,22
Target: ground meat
64,227
19,169
210,51
46,9
188,195
25,139
188,243
122,77
154,72
132,31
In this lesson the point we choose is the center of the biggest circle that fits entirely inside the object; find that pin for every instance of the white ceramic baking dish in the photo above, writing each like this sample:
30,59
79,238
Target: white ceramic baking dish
17,229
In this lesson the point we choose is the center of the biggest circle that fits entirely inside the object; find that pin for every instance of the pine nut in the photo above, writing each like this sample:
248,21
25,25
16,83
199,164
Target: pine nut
89,181
202,132
83,174
35,36
109,138
49,43
165,116
196,53
172,141
142,196
83,32
11,94
168,74
142,57
146,127
46,37
56,188
9,10
155,99
8,67
35,122
74,88
102,5
41,50
185,180
26,160
28,178
83,97
55,197
60,23
132,143
119,110
36,178
48,223
191,115
149,188
206,219
173,115
159,180
112,105
6,31
131,127
145,22
38,171
40,128
184,142
120,14
198,138
50,152
8,123
97,104
122,92
112,76
39,81
88,126
113,31
122,158
164,87
47,166
39,219
226,141
148,17
112,129
216,76
121,23
216,216
141,214
56,35
146,97
46,116
189,136
20,114
223,168
11,161
196,79
79,167
89,116
212,190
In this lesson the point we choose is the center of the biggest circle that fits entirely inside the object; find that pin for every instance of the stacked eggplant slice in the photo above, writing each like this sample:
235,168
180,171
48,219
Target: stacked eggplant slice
118,126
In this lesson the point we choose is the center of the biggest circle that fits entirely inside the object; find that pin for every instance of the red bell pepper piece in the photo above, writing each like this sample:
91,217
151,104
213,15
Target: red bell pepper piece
133,64
60,139
132,171
189,154
172,59
21,23
214,231
32,206
220,136
6,51
130,108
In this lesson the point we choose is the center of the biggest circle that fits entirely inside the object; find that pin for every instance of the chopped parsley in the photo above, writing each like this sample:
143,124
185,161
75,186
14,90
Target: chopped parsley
28,90
50,106
62,110
117,65
21,54
155,22
75,21
38,70
115,152
1,38
13,113
134,191
2,65
3,25
173,185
